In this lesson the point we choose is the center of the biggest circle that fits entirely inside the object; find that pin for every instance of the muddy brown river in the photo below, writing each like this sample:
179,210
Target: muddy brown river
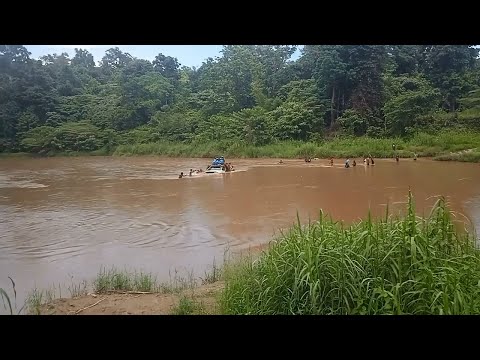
67,217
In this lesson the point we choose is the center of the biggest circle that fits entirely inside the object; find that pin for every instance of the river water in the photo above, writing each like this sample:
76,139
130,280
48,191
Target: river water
67,217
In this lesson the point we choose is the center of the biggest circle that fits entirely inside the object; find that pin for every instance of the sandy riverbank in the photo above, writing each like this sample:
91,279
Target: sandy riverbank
200,300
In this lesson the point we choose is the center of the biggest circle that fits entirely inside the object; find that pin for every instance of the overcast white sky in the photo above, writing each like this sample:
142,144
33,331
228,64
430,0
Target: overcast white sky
188,55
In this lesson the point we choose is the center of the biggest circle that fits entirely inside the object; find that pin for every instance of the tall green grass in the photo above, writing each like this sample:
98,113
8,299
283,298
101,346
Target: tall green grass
423,144
38,300
188,306
113,279
407,265
7,300
441,145
215,274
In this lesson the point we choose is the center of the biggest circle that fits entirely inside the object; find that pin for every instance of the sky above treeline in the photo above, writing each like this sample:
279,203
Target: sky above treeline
187,55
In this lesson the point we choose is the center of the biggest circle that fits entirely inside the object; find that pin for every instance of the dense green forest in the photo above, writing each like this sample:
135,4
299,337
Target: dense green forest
250,96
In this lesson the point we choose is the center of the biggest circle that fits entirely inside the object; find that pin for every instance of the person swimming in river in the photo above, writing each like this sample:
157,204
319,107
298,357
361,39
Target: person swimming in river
181,175
331,161
347,163
191,171
354,163
281,161
368,161
371,160
414,157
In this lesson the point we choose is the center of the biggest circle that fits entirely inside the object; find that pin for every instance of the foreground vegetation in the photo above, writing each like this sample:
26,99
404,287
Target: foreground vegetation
386,266
117,281
390,265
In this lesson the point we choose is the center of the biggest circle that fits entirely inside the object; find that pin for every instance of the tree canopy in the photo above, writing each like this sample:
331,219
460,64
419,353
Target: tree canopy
252,94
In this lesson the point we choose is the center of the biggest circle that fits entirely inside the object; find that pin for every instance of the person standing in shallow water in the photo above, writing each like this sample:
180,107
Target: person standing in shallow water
354,163
397,158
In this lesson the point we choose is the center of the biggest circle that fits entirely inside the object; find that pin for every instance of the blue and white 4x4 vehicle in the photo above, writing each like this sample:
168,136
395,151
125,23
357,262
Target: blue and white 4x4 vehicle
218,166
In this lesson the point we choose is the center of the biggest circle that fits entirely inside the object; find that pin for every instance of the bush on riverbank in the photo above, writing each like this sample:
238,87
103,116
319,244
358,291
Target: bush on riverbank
423,144
443,145
81,137
390,266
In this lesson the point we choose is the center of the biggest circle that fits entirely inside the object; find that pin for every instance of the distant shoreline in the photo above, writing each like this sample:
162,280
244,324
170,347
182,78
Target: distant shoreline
445,146
469,155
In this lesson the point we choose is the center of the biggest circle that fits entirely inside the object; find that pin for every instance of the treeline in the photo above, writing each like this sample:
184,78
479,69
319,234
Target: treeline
252,95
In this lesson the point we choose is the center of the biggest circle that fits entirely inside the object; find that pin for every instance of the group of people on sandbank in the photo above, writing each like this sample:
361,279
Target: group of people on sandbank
367,160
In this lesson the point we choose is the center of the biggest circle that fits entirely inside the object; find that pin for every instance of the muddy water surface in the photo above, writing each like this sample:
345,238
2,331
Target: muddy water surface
64,217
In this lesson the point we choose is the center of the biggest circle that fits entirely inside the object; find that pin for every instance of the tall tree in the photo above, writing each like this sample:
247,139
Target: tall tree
116,59
446,66
14,54
83,58
332,76
167,66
